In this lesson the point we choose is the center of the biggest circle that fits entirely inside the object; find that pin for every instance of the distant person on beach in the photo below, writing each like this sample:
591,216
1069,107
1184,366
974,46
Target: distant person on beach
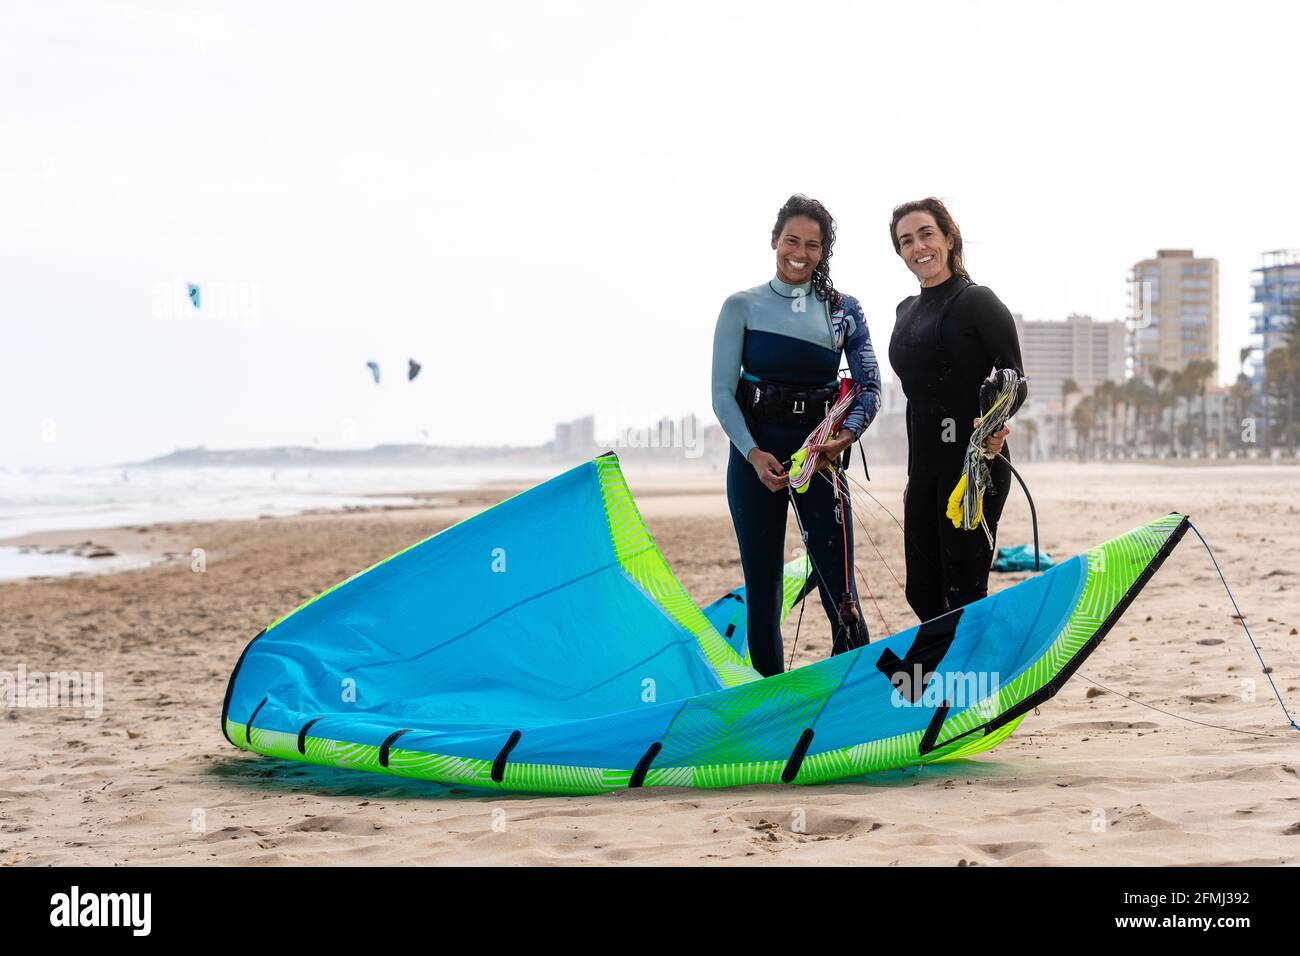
776,361
946,342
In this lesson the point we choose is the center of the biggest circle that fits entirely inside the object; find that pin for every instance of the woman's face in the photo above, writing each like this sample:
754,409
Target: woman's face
924,247
798,249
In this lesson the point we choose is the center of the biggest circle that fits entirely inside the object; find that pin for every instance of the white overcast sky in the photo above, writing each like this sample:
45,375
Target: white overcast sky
546,203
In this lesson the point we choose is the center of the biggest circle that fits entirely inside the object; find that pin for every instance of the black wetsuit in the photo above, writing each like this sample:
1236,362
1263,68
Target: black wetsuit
940,365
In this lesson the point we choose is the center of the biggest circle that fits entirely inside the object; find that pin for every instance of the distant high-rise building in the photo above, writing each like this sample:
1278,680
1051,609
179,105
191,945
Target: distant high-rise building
584,434
1277,295
577,437
1079,348
892,399
1174,318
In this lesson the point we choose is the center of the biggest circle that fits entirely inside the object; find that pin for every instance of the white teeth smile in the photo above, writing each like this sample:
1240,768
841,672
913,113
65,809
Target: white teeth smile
923,260
796,265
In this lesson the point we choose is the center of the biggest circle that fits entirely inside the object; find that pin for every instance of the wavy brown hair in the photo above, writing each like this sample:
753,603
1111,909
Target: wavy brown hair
947,225
800,205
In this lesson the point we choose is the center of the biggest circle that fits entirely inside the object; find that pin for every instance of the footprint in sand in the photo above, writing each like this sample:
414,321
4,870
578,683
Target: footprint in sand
1005,851
226,834
1137,819
1099,725
813,825
349,826
1265,774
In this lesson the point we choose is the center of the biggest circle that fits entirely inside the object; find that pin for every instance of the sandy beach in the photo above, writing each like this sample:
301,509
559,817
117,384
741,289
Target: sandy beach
1091,779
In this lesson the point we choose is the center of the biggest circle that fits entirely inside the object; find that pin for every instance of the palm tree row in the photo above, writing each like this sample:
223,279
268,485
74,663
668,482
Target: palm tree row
1280,402
1140,416
1168,412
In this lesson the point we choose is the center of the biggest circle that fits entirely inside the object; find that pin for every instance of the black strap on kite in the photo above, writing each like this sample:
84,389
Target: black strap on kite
931,735
796,757
643,765
388,743
248,728
499,765
302,735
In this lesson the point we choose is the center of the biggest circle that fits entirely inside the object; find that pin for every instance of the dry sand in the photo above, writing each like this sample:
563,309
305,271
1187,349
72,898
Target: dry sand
1091,779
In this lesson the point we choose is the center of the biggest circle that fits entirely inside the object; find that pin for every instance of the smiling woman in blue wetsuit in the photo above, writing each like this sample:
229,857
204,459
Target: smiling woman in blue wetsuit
776,361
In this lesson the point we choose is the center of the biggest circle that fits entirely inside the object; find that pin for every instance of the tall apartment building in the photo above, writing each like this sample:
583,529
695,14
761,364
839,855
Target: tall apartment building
1277,295
577,437
1174,317
1080,348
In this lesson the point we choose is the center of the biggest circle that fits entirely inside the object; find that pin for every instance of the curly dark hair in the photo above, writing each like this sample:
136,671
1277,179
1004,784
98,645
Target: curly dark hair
801,205
947,225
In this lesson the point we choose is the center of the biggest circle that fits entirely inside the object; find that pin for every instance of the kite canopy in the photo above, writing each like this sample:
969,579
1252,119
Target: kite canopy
545,645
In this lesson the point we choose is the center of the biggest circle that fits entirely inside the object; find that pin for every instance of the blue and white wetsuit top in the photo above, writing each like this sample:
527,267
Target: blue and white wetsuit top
783,333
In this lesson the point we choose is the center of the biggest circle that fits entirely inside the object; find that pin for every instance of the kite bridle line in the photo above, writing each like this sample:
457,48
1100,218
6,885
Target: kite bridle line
863,524
848,607
1167,713
1241,618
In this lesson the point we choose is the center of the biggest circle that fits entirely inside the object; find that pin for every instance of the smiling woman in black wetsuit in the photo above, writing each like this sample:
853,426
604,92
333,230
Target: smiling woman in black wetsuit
946,341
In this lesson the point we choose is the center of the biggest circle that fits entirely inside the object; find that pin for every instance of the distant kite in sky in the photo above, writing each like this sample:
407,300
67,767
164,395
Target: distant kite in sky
374,370
413,370
194,294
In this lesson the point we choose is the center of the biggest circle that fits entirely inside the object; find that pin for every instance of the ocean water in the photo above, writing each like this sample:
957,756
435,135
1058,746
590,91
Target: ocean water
36,500
17,564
